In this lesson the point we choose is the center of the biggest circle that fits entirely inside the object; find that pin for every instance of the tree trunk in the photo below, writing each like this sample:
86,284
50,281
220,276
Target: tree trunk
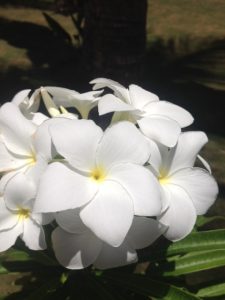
115,38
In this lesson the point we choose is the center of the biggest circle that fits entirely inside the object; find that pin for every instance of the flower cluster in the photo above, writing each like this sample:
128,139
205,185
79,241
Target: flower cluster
106,193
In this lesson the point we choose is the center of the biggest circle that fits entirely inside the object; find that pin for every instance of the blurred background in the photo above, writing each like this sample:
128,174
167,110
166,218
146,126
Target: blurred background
174,48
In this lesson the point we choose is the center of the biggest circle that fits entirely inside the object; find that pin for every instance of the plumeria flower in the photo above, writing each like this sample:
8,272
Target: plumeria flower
24,146
17,218
104,175
63,97
76,247
187,191
159,120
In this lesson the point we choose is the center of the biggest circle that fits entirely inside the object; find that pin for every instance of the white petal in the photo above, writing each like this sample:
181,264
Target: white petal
33,235
170,110
61,96
77,141
200,186
109,103
112,257
180,217
7,218
205,163
19,192
186,150
144,232
88,96
75,251
62,188
155,159
70,221
141,185
122,142
4,180
33,102
35,171
16,134
38,118
43,219
159,129
119,90
9,161
140,97
42,138
9,237
125,116
109,215
20,97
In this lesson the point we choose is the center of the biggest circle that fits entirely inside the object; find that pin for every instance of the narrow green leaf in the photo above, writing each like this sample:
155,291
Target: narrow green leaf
203,220
151,288
196,241
194,262
212,291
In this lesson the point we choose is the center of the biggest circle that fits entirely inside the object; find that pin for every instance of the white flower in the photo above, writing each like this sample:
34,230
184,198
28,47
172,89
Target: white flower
187,191
17,218
24,146
63,97
29,106
159,120
104,175
76,247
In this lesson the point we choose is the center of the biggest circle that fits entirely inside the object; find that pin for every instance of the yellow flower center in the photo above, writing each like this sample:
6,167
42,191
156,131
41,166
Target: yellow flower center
163,177
32,159
164,180
23,213
98,174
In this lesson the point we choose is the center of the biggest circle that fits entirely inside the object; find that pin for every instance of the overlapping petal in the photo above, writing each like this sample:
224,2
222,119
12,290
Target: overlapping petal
112,257
122,143
169,110
185,153
199,185
62,188
163,130
109,215
140,97
7,219
19,191
75,251
110,103
9,237
144,231
17,134
180,216
141,185
70,221
77,141
33,235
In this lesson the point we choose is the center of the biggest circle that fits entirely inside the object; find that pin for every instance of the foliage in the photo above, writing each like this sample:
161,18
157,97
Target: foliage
164,275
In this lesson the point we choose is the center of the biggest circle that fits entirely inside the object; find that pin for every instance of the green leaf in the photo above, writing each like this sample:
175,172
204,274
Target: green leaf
203,220
148,287
193,262
196,241
212,291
